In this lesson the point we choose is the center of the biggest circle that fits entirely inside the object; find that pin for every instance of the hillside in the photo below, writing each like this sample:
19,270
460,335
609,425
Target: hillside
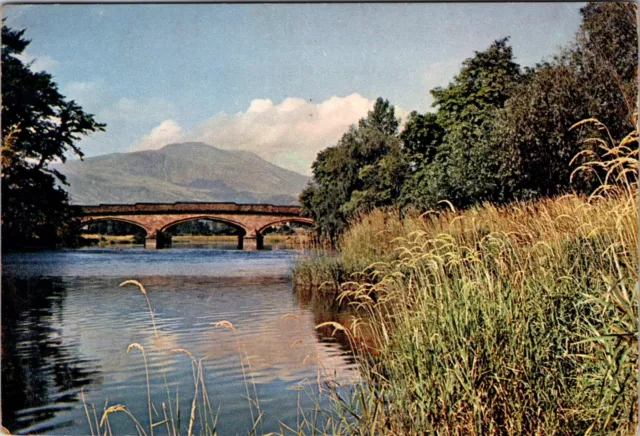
180,172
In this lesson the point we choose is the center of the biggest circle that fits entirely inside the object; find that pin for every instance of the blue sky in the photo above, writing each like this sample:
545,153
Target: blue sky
284,81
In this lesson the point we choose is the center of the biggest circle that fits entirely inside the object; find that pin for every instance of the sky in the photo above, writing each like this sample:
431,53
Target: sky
281,80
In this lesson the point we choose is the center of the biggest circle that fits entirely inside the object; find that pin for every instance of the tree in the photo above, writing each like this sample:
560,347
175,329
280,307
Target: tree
38,127
608,38
421,137
498,133
364,170
460,164
595,77
380,179
382,118
534,130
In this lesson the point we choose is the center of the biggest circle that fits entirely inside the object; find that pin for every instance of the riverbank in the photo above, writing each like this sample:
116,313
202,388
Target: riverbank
518,320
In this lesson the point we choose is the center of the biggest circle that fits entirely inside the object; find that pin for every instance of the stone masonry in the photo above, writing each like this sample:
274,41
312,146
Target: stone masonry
155,218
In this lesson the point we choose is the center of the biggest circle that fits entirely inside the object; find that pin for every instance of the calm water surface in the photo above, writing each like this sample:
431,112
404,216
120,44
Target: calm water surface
66,326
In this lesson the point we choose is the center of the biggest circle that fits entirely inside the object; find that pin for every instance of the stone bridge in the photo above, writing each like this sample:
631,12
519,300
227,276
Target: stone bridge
251,220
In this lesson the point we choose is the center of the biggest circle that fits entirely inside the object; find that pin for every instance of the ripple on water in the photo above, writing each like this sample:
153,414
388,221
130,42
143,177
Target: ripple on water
73,323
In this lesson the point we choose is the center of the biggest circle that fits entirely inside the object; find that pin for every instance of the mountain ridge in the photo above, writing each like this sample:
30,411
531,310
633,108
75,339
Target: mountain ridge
191,171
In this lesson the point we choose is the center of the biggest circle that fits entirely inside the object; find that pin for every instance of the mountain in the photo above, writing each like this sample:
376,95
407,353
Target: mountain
191,171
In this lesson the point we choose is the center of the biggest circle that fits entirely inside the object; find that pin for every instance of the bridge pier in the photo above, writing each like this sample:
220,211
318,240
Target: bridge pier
251,242
157,240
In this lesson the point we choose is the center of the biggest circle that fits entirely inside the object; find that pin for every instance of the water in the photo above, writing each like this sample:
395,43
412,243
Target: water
66,326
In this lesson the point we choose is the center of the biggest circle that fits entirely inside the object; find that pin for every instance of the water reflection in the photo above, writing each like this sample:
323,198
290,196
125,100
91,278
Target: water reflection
42,372
328,310
67,325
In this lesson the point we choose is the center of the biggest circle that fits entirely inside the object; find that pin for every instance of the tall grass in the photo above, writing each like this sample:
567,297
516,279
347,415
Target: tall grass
502,320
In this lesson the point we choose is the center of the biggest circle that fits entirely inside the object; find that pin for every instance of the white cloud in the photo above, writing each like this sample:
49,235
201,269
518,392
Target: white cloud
290,104
38,63
260,105
167,132
289,134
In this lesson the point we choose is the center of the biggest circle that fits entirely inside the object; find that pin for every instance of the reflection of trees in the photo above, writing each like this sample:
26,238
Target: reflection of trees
289,228
38,368
114,228
327,309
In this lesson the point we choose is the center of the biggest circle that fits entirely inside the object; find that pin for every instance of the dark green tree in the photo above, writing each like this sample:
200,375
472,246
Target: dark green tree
595,77
421,137
461,165
364,170
380,179
38,127
607,48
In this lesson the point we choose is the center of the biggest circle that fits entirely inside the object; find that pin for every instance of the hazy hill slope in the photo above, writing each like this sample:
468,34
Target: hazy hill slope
181,172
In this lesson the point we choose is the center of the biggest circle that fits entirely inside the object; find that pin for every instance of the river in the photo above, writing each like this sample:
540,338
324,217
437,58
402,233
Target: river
67,324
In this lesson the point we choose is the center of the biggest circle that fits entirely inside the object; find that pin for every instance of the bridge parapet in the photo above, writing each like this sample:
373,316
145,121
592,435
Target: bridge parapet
184,207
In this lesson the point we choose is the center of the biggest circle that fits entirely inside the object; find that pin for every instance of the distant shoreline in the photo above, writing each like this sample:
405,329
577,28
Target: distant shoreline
198,239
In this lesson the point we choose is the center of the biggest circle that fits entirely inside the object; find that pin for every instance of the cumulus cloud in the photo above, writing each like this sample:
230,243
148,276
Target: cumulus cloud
260,105
289,134
167,132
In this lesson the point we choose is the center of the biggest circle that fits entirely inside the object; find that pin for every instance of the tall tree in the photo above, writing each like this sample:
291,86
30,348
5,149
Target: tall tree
421,137
380,176
461,166
38,127
364,170
608,38
382,118
594,77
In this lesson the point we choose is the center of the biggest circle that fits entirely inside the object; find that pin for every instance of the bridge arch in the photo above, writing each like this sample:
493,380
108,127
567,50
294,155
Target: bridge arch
301,220
242,229
89,220
155,219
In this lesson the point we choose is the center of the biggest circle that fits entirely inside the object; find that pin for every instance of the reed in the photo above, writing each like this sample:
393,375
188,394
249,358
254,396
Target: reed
519,319
200,402
201,410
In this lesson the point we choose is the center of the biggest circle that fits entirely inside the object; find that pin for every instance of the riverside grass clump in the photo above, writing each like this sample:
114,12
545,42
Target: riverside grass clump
503,320
370,239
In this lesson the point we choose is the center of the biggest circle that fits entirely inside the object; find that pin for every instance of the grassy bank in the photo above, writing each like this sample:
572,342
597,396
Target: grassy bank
503,320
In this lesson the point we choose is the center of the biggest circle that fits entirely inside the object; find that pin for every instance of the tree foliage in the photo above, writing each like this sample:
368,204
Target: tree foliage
464,166
363,171
595,77
39,126
498,133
